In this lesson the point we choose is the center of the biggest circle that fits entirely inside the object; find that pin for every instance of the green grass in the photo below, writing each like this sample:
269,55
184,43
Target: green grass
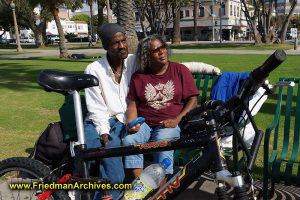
70,46
26,109
233,46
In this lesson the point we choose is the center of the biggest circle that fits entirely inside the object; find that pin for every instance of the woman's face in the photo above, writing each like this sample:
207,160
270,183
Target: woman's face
158,53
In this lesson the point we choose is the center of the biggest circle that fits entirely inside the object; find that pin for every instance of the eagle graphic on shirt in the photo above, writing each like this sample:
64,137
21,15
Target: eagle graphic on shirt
158,96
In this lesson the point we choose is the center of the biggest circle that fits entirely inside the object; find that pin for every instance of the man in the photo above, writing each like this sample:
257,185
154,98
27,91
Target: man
106,103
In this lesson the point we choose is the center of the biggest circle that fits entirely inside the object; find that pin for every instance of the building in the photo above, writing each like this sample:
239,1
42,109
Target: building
283,8
234,24
78,28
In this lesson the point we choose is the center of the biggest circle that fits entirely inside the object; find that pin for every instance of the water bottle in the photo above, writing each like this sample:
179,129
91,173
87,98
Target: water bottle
149,180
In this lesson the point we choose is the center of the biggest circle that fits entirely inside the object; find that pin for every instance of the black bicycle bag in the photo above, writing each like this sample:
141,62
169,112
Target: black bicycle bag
50,147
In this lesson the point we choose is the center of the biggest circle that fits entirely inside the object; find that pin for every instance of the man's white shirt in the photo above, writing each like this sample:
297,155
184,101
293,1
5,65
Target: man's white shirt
109,98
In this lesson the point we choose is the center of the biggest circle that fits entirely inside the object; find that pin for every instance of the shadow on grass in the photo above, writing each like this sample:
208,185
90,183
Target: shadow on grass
210,46
70,46
19,77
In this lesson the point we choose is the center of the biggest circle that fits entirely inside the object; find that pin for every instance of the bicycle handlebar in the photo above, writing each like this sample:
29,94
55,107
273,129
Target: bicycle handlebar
262,72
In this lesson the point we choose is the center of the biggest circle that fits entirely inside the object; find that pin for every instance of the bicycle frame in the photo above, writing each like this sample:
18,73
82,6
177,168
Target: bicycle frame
211,158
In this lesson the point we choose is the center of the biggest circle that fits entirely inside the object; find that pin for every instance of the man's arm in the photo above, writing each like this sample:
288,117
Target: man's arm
98,111
131,114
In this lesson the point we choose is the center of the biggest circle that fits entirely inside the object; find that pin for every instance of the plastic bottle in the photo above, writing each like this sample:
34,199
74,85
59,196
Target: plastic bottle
149,180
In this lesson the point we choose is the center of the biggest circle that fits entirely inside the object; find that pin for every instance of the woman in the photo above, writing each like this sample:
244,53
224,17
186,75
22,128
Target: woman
162,92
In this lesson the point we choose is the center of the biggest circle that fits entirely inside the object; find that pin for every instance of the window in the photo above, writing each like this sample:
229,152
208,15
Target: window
137,17
201,12
234,11
187,13
230,10
181,14
212,12
238,11
223,10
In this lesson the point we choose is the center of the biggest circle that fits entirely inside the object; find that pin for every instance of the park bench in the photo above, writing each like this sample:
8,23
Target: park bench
282,152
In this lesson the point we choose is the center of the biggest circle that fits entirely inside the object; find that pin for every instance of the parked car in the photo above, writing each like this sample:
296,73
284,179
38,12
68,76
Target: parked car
4,41
27,40
51,39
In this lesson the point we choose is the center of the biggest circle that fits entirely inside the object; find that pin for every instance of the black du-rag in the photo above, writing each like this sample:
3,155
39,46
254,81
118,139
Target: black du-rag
107,31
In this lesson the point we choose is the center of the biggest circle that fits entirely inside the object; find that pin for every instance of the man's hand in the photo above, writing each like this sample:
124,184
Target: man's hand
170,123
134,129
104,139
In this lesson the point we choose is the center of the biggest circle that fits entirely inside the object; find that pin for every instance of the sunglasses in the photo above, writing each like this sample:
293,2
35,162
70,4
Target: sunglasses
158,49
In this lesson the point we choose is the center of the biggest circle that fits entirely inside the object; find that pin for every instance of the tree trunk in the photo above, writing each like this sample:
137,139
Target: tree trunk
63,51
286,22
195,20
100,16
109,15
38,38
176,38
126,19
91,18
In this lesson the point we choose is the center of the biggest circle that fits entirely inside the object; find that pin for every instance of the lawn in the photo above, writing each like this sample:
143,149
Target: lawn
26,110
233,46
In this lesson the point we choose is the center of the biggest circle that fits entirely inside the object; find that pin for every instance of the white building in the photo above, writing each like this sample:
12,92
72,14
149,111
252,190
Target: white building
76,27
234,24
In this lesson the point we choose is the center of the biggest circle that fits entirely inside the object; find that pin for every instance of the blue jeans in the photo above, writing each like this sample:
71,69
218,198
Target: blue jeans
144,135
111,168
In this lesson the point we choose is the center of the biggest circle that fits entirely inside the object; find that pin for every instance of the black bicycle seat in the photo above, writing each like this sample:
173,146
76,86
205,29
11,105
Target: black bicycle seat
62,82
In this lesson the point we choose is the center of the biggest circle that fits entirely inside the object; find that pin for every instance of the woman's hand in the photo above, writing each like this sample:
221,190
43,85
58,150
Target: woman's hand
170,123
134,129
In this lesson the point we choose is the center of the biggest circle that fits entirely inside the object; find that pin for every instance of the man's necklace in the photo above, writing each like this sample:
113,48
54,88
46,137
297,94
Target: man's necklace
115,72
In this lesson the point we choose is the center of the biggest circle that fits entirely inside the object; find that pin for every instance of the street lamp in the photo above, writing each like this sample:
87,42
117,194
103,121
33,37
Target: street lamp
220,21
13,8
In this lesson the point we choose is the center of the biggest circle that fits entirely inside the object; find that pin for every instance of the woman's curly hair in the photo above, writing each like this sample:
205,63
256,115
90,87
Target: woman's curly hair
143,51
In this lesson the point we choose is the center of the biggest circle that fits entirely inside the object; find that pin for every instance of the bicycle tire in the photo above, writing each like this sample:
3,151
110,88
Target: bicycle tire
25,170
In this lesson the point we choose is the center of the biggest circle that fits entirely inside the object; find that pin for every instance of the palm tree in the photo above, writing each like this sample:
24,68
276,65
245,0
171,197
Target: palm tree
125,10
53,7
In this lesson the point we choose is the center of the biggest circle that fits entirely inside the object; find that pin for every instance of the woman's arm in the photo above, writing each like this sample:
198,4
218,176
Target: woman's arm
172,123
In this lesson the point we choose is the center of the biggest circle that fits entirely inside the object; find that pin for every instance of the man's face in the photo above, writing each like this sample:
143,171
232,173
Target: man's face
158,53
118,47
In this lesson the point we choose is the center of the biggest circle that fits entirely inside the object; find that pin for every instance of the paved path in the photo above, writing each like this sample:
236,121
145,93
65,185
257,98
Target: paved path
204,188
40,53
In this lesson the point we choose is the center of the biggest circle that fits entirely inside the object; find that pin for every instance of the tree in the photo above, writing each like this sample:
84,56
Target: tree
26,18
160,13
125,16
286,22
82,17
260,19
53,6
176,37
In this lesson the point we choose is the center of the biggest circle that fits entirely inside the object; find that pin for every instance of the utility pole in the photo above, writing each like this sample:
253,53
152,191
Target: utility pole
196,8
213,20
220,21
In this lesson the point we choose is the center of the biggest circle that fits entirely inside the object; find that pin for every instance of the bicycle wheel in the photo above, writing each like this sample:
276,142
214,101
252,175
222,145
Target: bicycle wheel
24,170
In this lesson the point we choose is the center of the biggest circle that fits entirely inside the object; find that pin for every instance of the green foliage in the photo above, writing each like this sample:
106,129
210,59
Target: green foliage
82,17
70,36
